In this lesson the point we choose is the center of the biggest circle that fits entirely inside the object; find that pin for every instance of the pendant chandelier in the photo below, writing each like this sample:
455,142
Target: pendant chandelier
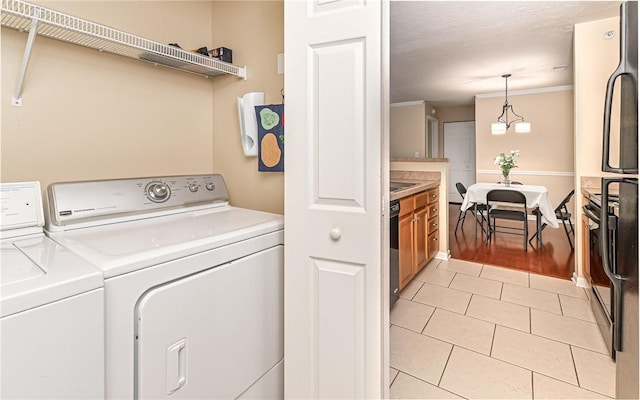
503,123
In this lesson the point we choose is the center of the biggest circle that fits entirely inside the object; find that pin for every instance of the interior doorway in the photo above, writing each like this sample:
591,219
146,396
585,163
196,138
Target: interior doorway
460,149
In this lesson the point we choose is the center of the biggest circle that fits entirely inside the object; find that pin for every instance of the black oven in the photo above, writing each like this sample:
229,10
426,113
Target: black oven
604,301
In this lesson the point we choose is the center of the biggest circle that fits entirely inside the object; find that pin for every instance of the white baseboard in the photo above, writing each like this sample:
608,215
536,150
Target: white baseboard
580,281
443,256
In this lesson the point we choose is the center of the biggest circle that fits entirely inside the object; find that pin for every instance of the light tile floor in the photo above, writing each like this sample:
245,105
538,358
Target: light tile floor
466,330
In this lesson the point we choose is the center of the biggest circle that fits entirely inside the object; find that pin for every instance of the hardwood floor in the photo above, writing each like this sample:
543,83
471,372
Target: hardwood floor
555,258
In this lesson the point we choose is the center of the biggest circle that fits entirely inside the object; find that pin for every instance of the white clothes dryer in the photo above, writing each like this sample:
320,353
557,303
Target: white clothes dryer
51,305
193,286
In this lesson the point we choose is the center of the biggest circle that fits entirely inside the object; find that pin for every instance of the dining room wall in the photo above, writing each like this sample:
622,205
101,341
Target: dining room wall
546,153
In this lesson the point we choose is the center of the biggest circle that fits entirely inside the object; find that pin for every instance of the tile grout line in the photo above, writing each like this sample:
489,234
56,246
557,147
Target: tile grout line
445,366
533,390
428,383
493,340
394,378
575,369
428,319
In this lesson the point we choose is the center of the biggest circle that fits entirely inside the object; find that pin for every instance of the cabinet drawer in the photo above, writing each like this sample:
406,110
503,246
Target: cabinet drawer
432,224
406,205
433,243
420,200
433,210
433,195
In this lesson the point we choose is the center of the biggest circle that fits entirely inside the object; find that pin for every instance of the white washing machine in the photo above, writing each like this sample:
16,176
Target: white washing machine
193,286
51,305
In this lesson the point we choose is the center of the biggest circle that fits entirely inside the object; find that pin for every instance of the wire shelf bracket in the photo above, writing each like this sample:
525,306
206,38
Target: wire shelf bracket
38,20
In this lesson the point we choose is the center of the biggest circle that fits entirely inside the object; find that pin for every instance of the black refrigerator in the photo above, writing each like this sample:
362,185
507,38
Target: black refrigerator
619,211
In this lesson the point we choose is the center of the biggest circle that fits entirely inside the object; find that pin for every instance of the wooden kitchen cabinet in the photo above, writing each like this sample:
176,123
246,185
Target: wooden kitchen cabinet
432,224
418,233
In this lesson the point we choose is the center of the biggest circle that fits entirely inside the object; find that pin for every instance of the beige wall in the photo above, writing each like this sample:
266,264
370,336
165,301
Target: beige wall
90,115
407,131
452,114
595,59
254,30
546,153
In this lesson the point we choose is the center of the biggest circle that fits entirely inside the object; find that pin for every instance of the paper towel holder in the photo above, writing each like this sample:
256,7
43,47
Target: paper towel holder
249,122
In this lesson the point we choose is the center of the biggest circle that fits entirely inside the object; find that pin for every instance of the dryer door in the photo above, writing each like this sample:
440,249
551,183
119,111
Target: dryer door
213,334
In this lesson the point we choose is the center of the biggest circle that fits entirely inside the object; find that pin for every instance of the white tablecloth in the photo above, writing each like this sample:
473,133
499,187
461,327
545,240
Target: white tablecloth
537,196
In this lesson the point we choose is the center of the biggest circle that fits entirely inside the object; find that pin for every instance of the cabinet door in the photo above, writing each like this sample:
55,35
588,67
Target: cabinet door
420,234
405,245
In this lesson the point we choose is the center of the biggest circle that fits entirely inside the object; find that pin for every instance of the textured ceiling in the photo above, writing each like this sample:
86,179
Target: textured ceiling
446,52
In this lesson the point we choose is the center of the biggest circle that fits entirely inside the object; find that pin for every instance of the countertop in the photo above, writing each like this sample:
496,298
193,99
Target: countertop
420,186
590,185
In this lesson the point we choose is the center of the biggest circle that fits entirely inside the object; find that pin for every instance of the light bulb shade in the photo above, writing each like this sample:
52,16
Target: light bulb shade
498,128
523,127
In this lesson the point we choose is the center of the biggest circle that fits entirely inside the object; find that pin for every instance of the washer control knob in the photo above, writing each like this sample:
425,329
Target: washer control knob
158,192
193,187
210,186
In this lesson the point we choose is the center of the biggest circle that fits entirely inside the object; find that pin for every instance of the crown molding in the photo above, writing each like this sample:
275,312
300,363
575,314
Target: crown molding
407,103
526,91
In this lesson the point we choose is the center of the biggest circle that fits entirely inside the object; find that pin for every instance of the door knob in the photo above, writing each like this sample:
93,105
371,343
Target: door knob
335,233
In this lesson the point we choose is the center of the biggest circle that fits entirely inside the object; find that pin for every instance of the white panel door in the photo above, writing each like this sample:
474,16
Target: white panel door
334,276
460,149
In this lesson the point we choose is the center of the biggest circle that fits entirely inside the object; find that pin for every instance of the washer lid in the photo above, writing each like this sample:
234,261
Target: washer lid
38,271
16,266
124,247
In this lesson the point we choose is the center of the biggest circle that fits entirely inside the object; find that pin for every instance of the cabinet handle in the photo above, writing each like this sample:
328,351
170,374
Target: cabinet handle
433,196
435,224
435,239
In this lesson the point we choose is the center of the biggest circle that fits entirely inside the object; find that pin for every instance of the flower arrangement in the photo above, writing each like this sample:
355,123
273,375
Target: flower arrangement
506,162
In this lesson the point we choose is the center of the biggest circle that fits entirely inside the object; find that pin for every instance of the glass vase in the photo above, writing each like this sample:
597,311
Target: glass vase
505,178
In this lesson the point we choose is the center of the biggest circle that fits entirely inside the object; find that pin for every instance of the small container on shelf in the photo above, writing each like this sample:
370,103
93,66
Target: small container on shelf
222,54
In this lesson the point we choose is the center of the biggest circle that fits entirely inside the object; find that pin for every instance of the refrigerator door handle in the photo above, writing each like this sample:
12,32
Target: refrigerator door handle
606,136
607,261
625,67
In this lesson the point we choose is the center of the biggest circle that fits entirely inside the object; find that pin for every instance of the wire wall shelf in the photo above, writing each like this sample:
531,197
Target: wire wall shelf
35,19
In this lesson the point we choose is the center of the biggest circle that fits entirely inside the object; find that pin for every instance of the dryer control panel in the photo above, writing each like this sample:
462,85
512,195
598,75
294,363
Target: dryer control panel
99,202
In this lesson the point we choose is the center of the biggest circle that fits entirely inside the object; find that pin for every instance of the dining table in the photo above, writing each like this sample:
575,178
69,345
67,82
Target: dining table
537,197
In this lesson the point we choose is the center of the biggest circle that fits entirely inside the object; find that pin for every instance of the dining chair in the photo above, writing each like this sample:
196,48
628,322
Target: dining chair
517,211
562,214
478,207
